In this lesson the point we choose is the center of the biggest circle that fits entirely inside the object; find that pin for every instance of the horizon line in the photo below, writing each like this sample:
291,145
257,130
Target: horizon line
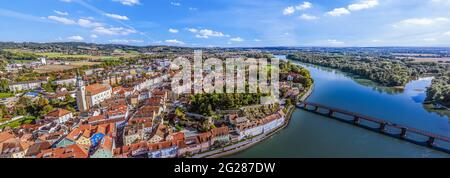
224,47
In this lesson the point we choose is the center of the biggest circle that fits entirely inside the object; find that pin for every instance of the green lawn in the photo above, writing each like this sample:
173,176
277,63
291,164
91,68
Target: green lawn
18,123
6,95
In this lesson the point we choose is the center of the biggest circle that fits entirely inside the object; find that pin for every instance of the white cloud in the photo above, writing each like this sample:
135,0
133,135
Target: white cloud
256,40
429,39
62,20
308,17
128,2
303,6
175,42
117,17
65,0
88,23
440,2
125,41
193,30
422,21
206,33
289,10
61,13
366,4
171,30
94,36
175,3
113,31
335,42
447,33
75,38
192,8
338,12
237,39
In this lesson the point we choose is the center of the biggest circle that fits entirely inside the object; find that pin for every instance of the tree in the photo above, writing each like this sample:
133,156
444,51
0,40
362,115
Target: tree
4,85
45,110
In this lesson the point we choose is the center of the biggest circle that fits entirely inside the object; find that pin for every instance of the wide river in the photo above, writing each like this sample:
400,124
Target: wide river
310,135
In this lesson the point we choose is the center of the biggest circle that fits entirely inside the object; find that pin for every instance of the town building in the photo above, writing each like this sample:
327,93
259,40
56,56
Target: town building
59,116
91,95
23,86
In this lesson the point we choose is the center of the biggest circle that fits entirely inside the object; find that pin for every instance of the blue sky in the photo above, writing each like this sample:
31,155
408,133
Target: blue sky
229,23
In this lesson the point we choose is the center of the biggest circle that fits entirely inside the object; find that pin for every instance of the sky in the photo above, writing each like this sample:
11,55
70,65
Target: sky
229,23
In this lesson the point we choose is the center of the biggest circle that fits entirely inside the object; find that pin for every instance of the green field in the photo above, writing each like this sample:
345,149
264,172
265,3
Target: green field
6,95
18,123
80,56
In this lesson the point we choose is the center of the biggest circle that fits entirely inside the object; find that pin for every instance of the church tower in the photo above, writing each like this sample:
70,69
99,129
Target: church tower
81,95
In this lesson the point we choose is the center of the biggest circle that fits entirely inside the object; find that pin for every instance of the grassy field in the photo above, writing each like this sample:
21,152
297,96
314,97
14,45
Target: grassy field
6,95
60,55
18,123
59,67
417,59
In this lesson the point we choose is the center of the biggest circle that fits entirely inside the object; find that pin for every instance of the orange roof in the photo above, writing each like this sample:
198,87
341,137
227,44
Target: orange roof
97,118
72,151
97,88
220,131
107,143
178,136
58,113
5,136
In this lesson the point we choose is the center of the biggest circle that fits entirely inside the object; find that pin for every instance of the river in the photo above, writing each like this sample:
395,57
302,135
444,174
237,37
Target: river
310,135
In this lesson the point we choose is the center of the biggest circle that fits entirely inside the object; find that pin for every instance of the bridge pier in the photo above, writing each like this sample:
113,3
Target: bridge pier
430,141
403,133
382,127
356,120
330,113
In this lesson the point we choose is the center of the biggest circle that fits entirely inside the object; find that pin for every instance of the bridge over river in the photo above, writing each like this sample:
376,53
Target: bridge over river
416,136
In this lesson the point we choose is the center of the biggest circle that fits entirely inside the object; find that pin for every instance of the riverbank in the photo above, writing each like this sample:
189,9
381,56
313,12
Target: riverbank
246,144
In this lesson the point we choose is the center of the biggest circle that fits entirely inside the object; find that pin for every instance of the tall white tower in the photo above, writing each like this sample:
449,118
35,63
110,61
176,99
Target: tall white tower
81,95
43,60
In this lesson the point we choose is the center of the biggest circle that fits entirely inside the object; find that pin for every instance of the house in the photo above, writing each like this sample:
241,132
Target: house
72,151
6,136
160,94
22,86
167,149
220,135
257,127
53,138
89,96
156,101
60,116
236,120
105,148
14,147
148,112
36,148
136,131
66,82
88,135
97,93
159,134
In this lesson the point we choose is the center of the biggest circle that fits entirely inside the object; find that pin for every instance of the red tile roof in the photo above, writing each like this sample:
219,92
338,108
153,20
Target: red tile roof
58,113
72,151
97,88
